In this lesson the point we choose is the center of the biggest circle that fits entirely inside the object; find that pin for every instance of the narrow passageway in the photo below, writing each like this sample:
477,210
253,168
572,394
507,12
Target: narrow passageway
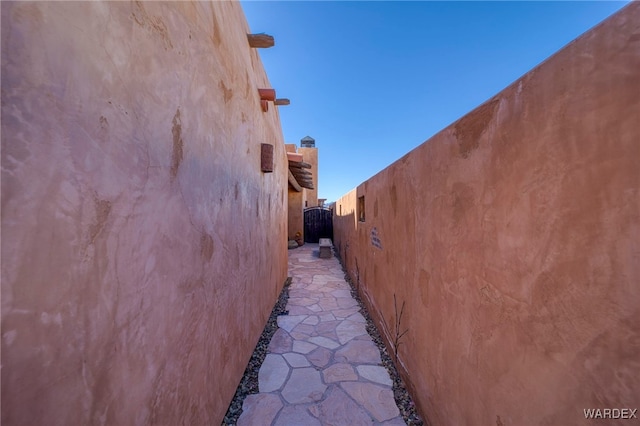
322,366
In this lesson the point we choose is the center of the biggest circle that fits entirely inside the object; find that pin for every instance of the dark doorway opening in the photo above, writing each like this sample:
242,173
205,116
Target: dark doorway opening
318,223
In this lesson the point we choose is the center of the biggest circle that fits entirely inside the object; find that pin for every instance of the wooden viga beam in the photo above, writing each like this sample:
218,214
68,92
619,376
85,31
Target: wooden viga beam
302,176
267,94
299,165
282,101
294,182
261,40
301,172
296,169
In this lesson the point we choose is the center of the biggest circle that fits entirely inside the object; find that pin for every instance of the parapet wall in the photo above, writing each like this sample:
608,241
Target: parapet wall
512,239
142,246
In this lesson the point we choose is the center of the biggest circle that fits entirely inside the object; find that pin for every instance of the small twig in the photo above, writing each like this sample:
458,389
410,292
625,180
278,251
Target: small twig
398,322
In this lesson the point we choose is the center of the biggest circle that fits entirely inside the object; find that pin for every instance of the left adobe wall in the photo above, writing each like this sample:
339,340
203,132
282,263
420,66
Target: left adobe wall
142,246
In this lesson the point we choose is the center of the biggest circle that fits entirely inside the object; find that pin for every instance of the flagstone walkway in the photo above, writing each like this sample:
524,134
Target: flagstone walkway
322,367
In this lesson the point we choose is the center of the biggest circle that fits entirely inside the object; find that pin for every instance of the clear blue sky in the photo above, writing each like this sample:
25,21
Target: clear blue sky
370,81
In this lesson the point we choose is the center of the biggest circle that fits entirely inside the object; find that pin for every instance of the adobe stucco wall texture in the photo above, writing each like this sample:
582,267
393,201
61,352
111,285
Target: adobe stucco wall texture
142,247
296,199
513,237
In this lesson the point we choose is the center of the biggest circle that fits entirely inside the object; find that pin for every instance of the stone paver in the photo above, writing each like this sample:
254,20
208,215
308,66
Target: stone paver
347,330
311,320
273,373
288,322
303,347
339,373
340,410
259,409
324,342
293,415
320,357
296,360
378,400
322,367
359,352
375,373
281,342
304,385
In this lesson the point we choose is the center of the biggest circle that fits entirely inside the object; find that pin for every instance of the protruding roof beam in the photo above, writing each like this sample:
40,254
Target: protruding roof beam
267,94
294,157
261,40
299,164
294,183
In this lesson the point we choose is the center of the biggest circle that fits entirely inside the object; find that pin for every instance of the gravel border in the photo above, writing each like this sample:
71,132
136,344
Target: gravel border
249,383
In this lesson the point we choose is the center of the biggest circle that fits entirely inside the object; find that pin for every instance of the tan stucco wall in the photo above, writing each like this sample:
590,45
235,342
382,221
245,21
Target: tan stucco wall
298,201
142,247
295,222
291,147
512,237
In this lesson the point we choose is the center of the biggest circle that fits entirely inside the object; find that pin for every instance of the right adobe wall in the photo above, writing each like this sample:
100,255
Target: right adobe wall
512,238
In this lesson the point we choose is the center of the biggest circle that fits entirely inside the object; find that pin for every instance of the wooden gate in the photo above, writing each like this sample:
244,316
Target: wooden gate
318,223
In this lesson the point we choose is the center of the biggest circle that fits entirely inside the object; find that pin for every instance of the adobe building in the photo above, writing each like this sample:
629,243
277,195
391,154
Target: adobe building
518,277
144,215
303,184
310,154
